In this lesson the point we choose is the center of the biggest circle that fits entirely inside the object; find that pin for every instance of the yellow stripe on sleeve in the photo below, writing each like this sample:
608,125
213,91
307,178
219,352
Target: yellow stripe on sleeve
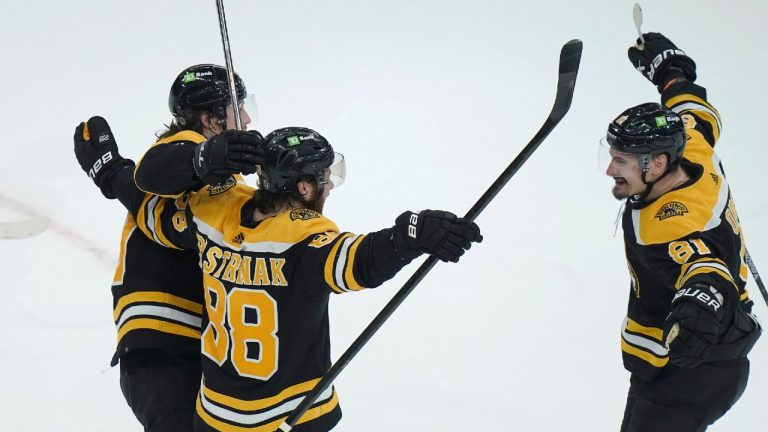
330,261
654,332
645,355
156,297
159,325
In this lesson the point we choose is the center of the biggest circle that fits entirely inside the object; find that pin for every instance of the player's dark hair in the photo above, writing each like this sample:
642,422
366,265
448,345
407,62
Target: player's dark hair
269,202
190,122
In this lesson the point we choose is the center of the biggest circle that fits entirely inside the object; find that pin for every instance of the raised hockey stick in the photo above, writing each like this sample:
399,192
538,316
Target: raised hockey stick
756,275
228,63
570,57
637,16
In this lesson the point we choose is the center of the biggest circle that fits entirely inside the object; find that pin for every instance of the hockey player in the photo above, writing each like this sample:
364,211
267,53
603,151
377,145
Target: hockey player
269,260
689,326
157,291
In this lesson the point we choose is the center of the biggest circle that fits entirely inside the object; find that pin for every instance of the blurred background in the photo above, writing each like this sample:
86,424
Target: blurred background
429,100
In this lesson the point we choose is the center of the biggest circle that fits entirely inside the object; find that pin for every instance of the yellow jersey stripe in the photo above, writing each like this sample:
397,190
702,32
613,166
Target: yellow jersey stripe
349,275
128,228
644,355
653,332
159,325
259,404
156,297
701,266
330,263
159,234
272,426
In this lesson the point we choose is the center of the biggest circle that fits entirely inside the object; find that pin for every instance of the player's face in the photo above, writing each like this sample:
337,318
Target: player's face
245,119
625,170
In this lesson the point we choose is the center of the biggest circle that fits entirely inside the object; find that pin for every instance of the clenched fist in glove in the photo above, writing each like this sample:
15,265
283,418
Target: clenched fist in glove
660,60
96,151
435,232
695,324
228,153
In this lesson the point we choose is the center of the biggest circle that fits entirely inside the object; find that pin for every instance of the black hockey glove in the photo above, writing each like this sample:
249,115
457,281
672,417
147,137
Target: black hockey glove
694,325
435,232
228,153
660,60
96,151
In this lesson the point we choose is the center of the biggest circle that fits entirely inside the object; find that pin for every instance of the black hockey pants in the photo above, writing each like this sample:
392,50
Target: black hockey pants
161,388
684,399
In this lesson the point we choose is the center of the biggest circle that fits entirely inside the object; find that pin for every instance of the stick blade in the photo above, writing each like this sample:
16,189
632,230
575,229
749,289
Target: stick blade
22,229
570,59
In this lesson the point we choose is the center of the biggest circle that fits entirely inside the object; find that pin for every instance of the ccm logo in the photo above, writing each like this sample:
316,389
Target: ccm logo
99,164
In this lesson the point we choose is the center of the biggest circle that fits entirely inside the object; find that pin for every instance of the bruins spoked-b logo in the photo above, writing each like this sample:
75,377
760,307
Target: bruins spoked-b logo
671,209
304,214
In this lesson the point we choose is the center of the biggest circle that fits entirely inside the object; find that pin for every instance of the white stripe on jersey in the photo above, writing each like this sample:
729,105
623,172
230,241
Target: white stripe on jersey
258,247
253,419
160,312
342,261
641,341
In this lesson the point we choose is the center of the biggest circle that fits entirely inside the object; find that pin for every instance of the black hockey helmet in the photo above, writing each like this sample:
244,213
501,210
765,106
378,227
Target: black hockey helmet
293,153
203,87
647,130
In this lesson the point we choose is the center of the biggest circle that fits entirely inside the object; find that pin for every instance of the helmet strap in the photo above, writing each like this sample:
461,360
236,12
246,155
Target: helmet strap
644,161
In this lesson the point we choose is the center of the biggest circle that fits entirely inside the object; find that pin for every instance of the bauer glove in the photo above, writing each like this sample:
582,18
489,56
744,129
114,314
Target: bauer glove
695,324
435,232
659,60
96,151
228,153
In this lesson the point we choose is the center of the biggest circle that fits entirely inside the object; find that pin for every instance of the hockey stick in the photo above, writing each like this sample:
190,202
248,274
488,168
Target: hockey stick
228,60
637,16
22,229
570,57
756,275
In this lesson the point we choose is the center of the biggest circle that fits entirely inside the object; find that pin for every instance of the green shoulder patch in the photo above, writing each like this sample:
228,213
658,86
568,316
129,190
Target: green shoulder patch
671,209
304,214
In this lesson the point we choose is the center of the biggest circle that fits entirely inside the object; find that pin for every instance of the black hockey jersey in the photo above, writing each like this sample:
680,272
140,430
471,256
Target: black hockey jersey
265,340
690,234
157,299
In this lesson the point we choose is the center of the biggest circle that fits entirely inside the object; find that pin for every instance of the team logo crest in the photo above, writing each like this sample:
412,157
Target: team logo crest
223,187
304,214
688,121
671,209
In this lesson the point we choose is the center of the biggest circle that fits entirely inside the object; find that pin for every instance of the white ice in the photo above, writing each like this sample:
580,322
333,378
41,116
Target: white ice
429,100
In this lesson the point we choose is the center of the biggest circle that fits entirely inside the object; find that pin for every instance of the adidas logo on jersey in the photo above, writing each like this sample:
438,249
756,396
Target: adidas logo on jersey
238,240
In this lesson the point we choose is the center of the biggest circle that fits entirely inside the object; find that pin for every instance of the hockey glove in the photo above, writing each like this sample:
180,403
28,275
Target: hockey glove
228,153
435,232
96,151
694,325
660,60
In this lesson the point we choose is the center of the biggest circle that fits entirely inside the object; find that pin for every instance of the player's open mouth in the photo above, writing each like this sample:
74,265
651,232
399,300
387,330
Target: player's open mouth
619,180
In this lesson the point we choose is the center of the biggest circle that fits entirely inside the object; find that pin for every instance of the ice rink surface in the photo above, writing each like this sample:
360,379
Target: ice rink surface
429,100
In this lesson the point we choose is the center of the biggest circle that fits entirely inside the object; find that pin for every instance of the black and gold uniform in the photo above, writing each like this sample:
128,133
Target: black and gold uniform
157,303
688,235
158,307
265,340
